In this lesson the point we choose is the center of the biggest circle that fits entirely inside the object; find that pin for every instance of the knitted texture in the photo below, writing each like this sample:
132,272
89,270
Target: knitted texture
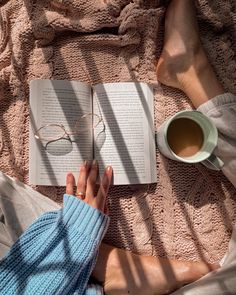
94,290
189,213
57,253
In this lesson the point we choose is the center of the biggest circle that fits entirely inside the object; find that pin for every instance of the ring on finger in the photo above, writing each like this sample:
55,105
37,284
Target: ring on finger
80,194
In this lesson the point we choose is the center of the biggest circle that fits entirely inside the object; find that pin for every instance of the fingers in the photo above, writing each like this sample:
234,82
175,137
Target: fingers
70,184
103,189
86,186
91,182
82,181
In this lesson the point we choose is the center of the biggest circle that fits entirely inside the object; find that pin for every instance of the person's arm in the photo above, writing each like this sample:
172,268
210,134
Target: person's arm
57,253
222,111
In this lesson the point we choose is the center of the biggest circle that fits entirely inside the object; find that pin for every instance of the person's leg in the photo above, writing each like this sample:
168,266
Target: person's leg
117,269
219,282
183,63
20,205
122,272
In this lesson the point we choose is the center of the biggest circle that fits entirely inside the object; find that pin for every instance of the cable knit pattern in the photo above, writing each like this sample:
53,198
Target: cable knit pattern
57,254
189,213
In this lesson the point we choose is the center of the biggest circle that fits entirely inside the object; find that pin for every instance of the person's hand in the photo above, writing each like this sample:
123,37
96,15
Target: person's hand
86,185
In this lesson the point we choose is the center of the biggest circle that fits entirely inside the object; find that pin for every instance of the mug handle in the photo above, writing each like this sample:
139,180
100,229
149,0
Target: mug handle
213,163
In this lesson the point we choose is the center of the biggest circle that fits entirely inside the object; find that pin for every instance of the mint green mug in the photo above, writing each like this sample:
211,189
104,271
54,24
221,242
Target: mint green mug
209,142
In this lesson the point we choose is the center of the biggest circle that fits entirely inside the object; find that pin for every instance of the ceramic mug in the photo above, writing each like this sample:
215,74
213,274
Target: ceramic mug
209,140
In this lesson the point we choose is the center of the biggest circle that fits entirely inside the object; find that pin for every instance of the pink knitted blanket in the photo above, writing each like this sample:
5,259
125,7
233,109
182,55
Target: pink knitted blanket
189,213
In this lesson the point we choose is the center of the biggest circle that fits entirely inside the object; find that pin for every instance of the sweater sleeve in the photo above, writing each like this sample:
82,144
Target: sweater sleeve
57,253
93,290
222,111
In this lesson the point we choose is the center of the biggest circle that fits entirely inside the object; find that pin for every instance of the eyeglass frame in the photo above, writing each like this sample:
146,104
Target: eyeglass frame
66,133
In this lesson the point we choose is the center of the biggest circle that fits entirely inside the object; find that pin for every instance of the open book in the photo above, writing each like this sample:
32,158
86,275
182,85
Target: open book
120,132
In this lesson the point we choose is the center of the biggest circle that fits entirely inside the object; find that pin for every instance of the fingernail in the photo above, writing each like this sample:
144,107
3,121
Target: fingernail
69,174
94,162
85,163
108,169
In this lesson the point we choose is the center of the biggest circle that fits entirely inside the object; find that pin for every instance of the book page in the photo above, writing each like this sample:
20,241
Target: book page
54,102
127,141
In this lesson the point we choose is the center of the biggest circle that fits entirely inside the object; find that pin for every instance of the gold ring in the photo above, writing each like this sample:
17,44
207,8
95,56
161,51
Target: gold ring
80,194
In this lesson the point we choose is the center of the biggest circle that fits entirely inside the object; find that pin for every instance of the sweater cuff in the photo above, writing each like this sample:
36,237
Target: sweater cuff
93,290
87,219
217,101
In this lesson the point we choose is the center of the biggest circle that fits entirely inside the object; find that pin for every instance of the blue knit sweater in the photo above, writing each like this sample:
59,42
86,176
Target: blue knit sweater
57,253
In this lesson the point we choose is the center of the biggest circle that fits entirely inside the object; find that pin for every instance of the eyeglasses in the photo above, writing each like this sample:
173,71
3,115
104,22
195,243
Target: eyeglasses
54,132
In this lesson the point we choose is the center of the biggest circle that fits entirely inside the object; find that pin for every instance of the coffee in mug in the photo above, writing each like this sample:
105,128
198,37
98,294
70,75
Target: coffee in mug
190,137
185,137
